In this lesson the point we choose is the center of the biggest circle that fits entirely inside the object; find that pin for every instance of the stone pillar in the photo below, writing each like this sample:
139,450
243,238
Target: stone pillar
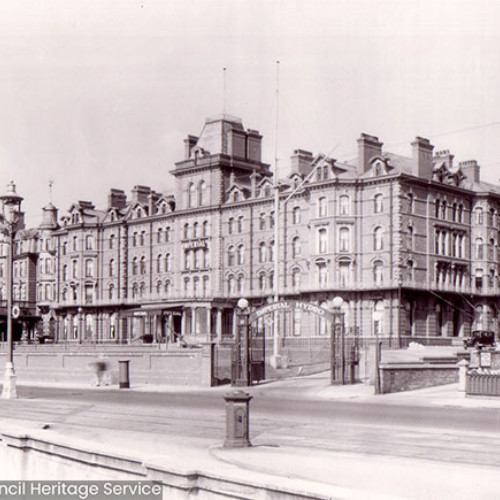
462,374
218,326
183,322
79,322
208,311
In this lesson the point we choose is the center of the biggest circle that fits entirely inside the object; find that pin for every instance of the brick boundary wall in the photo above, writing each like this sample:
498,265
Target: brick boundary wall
190,367
411,376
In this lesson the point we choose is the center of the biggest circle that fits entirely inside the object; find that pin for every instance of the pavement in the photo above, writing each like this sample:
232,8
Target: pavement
295,466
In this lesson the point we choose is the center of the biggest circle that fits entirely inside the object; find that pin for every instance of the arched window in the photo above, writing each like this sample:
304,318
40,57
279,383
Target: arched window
135,291
378,240
491,249
196,286
89,242
344,239
239,284
65,272
271,281
344,205
271,251
479,248
240,224
231,256
378,204
378,273
112,238
271,220
186,231
230,225
454,212
262,282
322,241
202,193
262,221
205,230
437,208
167,288
198,252
296,247
142,290
344,273
322,206
168,262
134,240
160,235
296,215
195,230
377,317
322,273
111,268
410,237
460,213
158,263
168,233
143,265
142,238
295,279
75,243
191,195
205,286
444,207
262,252
241,255
135,267
111,292
231,288
411,203
479,215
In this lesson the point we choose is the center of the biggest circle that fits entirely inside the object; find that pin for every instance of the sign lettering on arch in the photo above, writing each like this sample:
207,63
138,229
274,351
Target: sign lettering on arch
290,305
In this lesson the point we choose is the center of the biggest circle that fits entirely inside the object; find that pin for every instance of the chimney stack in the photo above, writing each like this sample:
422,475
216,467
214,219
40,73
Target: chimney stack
140,194
369,146
189,144
470,169
301,161
422,156
117,199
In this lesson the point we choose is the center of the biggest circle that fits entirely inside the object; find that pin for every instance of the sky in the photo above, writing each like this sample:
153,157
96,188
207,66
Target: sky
101,94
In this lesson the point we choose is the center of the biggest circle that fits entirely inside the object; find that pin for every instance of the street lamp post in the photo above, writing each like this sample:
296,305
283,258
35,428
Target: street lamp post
337,333
11,207
242,375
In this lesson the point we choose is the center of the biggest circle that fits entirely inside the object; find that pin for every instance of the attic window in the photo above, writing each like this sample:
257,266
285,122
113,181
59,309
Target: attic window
236,196
113,216
267,191
378,168
138,212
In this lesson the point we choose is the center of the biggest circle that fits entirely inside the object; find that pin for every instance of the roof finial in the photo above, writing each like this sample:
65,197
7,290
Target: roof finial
224,91
51,183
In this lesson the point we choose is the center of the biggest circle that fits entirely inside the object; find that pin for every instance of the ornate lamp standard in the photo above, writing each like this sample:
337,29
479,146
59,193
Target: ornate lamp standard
11,208
337,354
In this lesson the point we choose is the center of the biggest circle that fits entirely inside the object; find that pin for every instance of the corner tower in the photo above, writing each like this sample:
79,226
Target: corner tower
224,151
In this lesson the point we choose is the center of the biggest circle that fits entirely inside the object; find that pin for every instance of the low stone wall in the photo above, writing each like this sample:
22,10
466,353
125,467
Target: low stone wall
191,366
34,455
412,376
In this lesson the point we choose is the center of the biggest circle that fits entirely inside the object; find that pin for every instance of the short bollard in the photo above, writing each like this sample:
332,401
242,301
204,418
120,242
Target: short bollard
237,419
124,374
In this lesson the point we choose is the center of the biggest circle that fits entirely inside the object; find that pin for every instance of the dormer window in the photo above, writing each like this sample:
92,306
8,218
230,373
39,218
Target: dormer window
378,168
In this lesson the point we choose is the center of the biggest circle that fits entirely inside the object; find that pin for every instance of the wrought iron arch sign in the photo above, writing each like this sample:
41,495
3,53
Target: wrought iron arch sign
290,305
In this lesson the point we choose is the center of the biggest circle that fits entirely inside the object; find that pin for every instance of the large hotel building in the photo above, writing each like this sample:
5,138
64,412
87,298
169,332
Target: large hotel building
409,243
